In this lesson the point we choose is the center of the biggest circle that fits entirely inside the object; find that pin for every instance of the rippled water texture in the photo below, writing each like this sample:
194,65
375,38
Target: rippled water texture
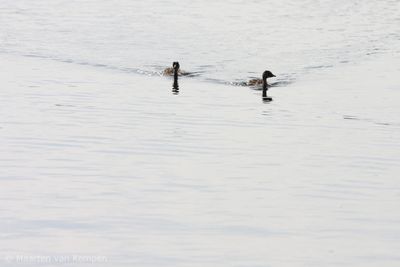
223,40
101,162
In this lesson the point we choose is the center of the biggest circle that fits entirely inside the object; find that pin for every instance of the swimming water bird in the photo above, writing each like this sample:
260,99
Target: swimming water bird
175,69
266,74
254,82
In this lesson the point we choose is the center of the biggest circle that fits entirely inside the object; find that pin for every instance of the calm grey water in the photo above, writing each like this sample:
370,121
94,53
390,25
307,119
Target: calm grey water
223,40
102,165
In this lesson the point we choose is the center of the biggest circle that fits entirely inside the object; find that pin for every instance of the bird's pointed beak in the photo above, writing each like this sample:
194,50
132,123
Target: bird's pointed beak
273,75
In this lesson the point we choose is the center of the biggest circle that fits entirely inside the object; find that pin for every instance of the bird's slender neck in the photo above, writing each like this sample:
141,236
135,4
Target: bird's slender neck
175,74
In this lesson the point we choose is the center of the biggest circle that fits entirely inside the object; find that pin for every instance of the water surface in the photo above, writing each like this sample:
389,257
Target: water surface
99,158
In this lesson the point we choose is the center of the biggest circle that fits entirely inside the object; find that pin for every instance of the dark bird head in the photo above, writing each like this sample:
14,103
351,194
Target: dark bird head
267,74
175,66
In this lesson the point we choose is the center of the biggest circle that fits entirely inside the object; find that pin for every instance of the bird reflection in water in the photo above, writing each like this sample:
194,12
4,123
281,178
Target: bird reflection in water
266,99
175,86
